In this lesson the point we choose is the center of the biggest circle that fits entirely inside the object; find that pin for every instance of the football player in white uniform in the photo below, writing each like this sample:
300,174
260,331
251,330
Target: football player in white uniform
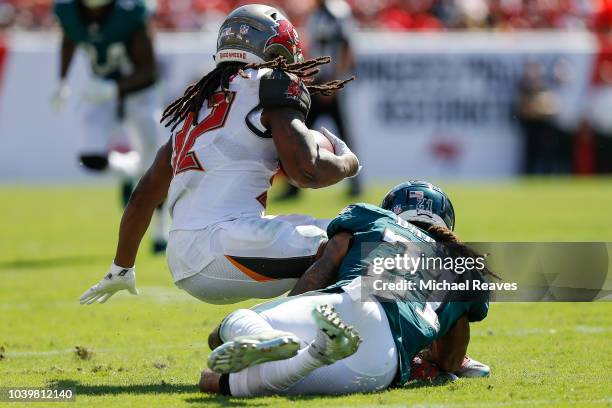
231,130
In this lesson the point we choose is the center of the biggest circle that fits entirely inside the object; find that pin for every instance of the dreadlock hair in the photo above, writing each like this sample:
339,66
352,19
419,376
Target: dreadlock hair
457,249
195,94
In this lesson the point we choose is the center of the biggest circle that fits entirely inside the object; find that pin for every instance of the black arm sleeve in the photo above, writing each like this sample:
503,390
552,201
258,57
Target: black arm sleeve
278,89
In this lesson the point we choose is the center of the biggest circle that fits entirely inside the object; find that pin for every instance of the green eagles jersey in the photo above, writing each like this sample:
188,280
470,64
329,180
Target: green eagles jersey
414,325
105,43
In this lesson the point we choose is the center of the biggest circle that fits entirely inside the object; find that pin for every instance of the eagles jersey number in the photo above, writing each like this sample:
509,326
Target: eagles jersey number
117,60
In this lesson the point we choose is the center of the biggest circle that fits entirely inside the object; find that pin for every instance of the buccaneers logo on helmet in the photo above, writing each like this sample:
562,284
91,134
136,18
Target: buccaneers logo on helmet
286,36
293,90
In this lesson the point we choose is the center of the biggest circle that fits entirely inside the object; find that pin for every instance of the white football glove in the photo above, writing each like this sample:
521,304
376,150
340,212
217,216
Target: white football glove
116,279
340,147
100,90
60,96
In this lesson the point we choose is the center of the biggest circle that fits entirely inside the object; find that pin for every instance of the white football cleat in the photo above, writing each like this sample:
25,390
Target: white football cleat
334,340
473,369
247,351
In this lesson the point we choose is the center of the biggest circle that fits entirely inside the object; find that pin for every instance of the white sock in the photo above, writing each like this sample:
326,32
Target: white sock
125,164
280,375
242,322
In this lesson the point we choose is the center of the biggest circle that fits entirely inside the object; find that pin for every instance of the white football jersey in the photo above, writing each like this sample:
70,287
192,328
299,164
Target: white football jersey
222,167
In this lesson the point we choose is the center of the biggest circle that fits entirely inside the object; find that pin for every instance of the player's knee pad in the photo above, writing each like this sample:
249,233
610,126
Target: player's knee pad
94,162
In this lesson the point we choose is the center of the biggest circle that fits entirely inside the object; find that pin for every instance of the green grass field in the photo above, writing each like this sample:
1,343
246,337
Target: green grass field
147,351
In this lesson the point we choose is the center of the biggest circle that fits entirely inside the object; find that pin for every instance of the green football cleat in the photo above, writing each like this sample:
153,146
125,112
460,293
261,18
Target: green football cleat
247,351
335,340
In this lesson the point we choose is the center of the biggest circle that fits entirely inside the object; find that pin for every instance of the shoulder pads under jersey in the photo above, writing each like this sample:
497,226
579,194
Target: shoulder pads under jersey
278,89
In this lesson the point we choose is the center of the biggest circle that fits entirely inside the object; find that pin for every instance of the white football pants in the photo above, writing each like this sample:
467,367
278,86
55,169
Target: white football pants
100,124
247,258
372,368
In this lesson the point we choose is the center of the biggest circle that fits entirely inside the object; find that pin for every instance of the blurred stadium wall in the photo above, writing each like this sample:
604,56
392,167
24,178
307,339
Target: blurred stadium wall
424,104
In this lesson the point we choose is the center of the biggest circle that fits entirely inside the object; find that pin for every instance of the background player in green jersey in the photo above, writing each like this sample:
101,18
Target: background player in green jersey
333,341
121,95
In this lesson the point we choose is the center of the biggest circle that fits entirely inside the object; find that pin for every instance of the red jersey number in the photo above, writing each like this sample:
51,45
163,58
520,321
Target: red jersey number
184,158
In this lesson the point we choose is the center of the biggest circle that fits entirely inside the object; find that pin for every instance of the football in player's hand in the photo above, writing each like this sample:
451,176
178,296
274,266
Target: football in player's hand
322,141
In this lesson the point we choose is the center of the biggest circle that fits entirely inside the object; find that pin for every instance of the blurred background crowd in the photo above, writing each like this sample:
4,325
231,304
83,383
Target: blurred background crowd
396,15
549,144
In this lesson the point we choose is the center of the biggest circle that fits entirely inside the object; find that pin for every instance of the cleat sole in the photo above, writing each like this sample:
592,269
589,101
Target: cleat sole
247,351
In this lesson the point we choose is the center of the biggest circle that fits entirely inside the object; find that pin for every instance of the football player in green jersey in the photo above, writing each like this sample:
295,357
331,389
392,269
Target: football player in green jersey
122,91
333,341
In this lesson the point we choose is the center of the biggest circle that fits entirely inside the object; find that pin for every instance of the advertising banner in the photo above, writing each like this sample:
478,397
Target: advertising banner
423,105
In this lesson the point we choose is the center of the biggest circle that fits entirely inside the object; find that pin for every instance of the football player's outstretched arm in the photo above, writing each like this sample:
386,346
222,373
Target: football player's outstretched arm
62,92
304,163
66,55
148,195
324,271
150,192
448,352
143,58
